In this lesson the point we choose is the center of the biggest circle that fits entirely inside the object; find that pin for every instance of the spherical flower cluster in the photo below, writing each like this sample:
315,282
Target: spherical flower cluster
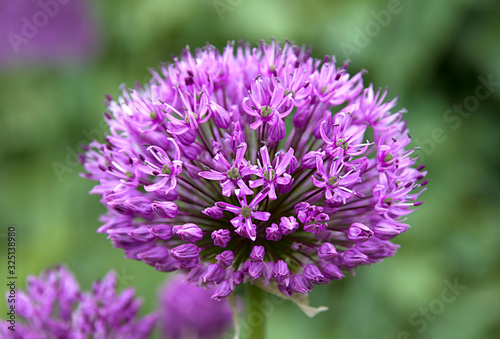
187,311
52,32
54,307
259,165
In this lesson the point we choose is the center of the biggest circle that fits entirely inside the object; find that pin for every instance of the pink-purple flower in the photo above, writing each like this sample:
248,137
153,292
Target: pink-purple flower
231,176
255,165
54,307
245,213
271,176
47,31
187,311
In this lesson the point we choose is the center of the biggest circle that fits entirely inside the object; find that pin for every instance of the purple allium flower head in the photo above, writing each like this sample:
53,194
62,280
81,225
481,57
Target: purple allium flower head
54,307
187,311
47,31
258,164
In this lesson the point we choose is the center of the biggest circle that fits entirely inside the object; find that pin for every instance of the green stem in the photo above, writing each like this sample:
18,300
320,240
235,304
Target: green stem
255,319
236,315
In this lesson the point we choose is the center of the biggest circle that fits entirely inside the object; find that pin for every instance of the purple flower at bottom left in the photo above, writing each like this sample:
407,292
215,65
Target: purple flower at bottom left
187,311
54,307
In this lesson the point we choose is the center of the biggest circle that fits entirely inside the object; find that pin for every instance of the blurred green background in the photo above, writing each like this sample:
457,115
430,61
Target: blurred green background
433,54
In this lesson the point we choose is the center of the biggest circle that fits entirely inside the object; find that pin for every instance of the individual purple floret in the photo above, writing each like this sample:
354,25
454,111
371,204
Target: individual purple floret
255,164
187,311
54,307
